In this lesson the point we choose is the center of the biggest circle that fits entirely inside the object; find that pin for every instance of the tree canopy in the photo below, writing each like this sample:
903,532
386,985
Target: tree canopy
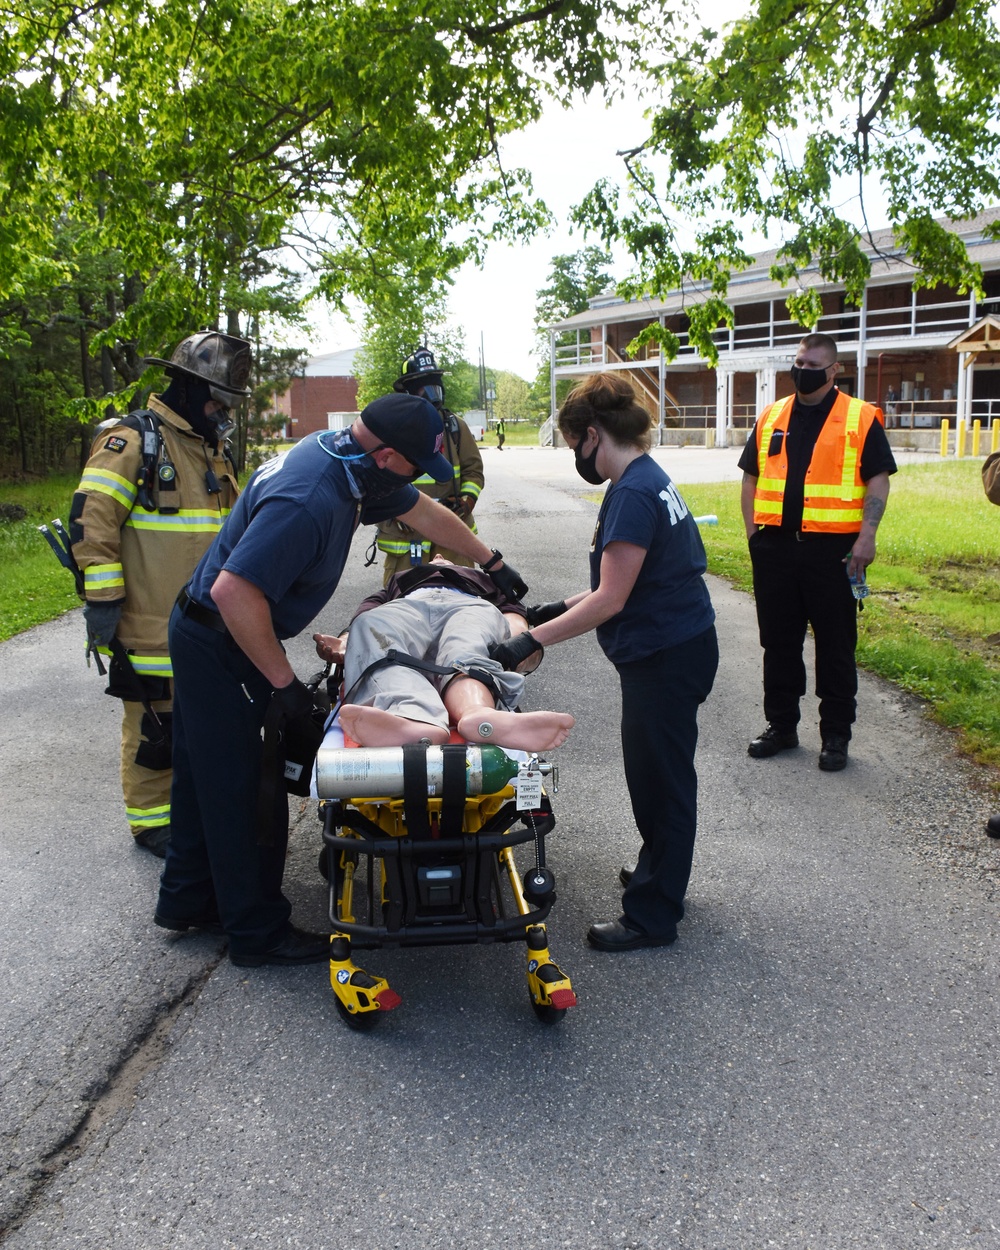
208,145
795,122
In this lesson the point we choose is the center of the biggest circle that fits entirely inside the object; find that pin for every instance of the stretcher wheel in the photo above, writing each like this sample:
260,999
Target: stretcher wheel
359,1021
546,1013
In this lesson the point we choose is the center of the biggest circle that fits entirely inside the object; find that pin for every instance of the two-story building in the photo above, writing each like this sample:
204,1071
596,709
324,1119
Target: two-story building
902,348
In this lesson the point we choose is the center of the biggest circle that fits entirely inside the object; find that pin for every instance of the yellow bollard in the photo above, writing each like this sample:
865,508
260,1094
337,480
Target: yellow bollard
709,436
944,436
995,440
977,426
959,440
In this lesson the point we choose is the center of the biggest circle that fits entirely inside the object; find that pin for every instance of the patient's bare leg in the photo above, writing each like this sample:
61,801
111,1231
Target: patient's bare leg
374,727
470,706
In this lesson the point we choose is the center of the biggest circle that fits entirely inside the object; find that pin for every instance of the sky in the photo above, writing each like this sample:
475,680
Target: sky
567,151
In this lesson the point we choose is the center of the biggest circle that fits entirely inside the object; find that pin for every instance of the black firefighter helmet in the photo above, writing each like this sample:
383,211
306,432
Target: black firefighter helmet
220,360
421,376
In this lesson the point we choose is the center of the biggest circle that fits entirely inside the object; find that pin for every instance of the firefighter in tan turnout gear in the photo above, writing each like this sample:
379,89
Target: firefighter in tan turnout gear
153,495
403,547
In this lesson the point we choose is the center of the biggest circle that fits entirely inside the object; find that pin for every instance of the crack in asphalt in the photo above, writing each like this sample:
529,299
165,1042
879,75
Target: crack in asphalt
117,1093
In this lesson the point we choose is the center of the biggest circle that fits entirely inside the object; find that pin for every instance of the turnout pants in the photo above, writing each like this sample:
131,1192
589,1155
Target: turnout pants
146,790
800,581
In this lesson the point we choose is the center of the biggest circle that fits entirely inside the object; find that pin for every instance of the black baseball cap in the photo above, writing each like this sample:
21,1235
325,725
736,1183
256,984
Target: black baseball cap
412,426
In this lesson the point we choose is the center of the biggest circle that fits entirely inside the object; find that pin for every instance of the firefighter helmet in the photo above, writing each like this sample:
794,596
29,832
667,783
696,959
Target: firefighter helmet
218,359
421,376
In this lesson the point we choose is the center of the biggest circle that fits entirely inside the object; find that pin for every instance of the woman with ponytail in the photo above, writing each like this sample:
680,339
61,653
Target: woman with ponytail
654,619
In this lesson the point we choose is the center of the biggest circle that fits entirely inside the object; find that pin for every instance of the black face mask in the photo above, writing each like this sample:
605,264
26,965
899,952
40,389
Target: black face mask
376,483
808,381
368,479
586,466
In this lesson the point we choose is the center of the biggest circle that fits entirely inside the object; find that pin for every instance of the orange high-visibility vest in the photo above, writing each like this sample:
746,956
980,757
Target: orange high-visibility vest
834,493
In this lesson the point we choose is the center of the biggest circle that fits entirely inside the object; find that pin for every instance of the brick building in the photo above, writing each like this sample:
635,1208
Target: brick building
899,349
327,387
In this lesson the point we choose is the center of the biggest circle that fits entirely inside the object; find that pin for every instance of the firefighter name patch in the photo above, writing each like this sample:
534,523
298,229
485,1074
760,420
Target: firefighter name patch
115,443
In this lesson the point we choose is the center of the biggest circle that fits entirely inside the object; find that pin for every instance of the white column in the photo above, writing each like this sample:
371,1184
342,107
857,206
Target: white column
723,404
552,383
965,413
662,371
863,345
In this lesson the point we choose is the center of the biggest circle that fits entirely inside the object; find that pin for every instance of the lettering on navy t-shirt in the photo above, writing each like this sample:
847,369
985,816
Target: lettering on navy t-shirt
669,603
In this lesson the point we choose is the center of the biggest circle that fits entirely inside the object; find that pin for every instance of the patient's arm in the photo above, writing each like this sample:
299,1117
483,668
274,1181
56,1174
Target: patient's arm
331,648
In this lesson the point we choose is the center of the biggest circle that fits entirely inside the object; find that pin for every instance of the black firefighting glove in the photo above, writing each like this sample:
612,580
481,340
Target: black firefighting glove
542,612
102,623
512,653
506,579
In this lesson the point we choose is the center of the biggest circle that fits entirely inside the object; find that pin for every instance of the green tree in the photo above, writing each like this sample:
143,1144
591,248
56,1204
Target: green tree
512,401
773,124
173,131
574,278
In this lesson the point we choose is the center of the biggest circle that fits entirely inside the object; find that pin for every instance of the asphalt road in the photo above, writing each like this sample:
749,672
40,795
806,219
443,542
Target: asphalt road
813,1064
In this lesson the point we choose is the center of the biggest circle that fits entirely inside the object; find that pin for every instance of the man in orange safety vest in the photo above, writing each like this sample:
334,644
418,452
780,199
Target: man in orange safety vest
816,471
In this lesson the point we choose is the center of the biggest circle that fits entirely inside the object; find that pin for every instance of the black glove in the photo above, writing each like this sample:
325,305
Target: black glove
507,580
515,651
102,623
294,700
302,718
542,612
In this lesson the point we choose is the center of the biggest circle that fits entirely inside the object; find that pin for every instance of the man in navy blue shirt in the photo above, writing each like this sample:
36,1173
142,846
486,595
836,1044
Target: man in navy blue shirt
274,565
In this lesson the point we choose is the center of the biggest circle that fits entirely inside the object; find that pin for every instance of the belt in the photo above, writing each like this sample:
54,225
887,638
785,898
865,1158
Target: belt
192,609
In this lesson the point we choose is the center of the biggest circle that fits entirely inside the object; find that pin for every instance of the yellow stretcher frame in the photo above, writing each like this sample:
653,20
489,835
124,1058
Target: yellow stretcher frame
375,829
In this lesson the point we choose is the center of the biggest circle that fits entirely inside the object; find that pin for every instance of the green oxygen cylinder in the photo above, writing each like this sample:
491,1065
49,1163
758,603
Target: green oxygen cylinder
377,772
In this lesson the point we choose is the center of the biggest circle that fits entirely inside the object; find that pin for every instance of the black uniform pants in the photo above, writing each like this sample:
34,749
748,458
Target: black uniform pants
660,699
220,701
800,581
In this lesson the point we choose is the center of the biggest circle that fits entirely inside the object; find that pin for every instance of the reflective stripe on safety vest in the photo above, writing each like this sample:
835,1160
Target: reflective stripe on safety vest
833,492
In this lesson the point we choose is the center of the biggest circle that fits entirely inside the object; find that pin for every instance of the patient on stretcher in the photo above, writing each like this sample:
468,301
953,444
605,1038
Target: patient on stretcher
444,615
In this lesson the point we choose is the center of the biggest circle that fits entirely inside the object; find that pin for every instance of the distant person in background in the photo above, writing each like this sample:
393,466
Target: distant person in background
501,434
403,547
991,484
891,400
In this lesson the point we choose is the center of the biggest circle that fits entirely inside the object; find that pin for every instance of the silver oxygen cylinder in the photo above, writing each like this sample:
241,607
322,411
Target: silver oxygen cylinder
377,772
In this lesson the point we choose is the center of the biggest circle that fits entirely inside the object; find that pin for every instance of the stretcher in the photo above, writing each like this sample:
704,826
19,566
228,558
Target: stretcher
419,850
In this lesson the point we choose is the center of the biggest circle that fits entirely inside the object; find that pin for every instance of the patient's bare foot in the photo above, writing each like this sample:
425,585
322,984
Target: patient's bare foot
374,727
522,731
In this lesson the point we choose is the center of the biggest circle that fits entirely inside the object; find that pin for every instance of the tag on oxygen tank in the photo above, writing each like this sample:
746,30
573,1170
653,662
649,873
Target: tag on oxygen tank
528,789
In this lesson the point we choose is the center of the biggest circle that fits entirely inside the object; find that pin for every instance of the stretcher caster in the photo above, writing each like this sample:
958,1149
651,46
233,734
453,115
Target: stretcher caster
548,987
360,998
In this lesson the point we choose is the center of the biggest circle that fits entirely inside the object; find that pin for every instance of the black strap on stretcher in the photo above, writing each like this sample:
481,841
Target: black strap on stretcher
452,791
392,656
